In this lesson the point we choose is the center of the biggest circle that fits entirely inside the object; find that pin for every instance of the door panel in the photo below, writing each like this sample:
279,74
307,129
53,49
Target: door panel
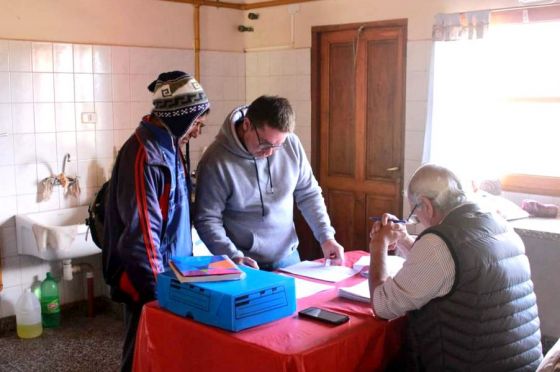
358,96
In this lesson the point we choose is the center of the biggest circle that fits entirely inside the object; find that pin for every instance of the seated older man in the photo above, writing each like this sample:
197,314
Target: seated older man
466,284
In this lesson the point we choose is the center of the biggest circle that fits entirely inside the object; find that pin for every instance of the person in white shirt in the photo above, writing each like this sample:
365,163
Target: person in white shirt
465,285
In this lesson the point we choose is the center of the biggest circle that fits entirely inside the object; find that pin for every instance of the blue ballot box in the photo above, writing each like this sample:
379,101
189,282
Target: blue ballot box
233,305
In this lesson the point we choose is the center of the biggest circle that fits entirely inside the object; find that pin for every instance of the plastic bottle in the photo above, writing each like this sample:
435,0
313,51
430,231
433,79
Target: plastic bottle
28,315
50,302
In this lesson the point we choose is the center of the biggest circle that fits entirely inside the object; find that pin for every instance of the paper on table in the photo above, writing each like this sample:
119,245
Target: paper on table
360,292
318,270
394,264
306,288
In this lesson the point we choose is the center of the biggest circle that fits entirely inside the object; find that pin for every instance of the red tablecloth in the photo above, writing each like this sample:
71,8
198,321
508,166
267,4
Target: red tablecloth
167,342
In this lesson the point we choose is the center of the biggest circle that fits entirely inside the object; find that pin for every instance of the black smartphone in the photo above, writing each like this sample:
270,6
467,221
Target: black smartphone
324,315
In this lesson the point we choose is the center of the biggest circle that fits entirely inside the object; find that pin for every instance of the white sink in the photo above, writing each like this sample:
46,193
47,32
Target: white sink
55,235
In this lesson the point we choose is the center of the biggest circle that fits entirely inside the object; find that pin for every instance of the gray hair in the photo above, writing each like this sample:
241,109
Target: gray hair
438,184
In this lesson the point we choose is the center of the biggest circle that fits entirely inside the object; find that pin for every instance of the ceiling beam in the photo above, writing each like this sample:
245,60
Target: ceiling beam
225,4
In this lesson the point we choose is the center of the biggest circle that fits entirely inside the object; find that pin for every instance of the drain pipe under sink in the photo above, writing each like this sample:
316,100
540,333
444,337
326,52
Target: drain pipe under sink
67,274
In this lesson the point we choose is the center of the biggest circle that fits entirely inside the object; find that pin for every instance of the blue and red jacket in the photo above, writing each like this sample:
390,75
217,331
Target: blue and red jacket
147,213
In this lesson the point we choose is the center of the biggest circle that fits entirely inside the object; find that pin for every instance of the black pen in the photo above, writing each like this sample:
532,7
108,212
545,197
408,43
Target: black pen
390,219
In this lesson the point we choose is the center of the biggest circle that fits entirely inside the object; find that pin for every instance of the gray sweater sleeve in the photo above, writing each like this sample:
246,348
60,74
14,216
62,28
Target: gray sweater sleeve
208,220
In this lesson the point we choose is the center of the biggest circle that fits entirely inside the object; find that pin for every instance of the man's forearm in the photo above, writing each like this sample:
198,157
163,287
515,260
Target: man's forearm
377,266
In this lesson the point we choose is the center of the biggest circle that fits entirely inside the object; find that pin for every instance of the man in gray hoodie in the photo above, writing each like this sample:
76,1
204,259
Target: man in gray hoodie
247,182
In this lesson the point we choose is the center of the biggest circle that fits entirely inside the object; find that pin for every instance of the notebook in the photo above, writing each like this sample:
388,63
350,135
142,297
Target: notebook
205,268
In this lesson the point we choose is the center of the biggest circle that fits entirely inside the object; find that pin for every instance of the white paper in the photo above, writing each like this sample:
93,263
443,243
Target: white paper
318,270
360,292
306,288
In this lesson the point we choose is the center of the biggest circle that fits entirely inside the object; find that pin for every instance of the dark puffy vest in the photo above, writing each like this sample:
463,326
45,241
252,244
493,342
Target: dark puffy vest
489,319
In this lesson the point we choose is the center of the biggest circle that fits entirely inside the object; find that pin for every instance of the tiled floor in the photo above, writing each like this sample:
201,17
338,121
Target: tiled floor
80,344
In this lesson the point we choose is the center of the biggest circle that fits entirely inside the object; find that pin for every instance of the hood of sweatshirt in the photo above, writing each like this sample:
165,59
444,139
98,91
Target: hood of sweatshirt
227,135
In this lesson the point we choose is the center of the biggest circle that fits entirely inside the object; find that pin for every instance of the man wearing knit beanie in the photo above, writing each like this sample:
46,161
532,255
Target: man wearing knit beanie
147,210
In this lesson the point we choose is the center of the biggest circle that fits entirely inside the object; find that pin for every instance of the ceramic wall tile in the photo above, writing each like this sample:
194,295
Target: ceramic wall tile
120,58
20,56
65,117
45,144
8,210
104,111
102,63
138,87
102,88
416,115
104,144
7,181
63,56
85,142
27,203
44,117
137,111
66,144
83,58
263,64
21,86
417,85
87,173
5,118
121,115
414,145
83,87
5,91
23,118
42,57
83,109
4,55
26,178
303,61
121,87
43,87
33,270
63,87
7,150
24,149
418,55
251,64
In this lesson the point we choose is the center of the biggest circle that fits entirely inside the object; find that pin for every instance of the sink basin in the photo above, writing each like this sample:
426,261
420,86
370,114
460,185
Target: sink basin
55,235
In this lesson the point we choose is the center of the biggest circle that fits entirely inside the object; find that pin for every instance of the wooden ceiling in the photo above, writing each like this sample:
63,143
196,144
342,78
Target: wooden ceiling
240,4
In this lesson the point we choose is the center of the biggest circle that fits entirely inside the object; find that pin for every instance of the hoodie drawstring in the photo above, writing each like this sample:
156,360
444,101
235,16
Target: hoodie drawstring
259,185
269,176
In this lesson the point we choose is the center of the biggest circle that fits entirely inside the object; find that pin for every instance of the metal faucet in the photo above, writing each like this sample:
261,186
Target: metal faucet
65,160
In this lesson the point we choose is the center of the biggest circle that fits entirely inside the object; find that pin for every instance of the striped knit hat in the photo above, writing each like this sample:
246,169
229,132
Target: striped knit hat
178,101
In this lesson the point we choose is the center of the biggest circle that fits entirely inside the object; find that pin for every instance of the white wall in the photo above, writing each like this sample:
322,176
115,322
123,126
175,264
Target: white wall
44,88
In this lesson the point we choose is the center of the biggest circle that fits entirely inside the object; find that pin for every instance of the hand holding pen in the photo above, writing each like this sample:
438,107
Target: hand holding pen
393,220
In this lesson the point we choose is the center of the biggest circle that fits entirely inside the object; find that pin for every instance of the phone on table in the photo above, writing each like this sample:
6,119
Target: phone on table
324,315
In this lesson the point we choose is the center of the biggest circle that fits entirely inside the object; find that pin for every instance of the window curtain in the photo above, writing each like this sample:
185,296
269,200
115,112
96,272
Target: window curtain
458,39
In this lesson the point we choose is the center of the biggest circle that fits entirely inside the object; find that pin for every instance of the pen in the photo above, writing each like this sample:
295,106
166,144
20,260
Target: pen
390,219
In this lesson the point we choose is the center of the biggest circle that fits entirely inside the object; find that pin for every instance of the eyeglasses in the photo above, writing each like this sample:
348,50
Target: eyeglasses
265,145
412,217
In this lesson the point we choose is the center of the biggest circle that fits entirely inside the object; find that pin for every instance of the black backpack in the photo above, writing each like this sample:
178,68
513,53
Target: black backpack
96,215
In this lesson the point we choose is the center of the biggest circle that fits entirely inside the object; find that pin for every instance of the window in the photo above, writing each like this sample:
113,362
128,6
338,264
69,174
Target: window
496,106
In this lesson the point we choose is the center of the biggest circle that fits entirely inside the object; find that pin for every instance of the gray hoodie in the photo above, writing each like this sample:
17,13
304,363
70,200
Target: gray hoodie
236,217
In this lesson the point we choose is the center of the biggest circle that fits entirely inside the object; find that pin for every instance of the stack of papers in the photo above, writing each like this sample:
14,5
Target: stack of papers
360,292
318,270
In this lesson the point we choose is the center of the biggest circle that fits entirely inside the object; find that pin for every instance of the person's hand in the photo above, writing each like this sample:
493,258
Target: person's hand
333,251
247,261
387,233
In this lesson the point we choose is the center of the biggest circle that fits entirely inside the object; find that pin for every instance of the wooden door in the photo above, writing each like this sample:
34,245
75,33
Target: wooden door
358,102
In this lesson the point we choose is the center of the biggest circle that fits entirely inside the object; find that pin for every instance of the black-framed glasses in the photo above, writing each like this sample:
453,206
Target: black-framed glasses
412,217
265,145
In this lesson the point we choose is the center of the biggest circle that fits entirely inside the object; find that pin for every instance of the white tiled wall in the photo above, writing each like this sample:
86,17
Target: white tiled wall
286,73
44,88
